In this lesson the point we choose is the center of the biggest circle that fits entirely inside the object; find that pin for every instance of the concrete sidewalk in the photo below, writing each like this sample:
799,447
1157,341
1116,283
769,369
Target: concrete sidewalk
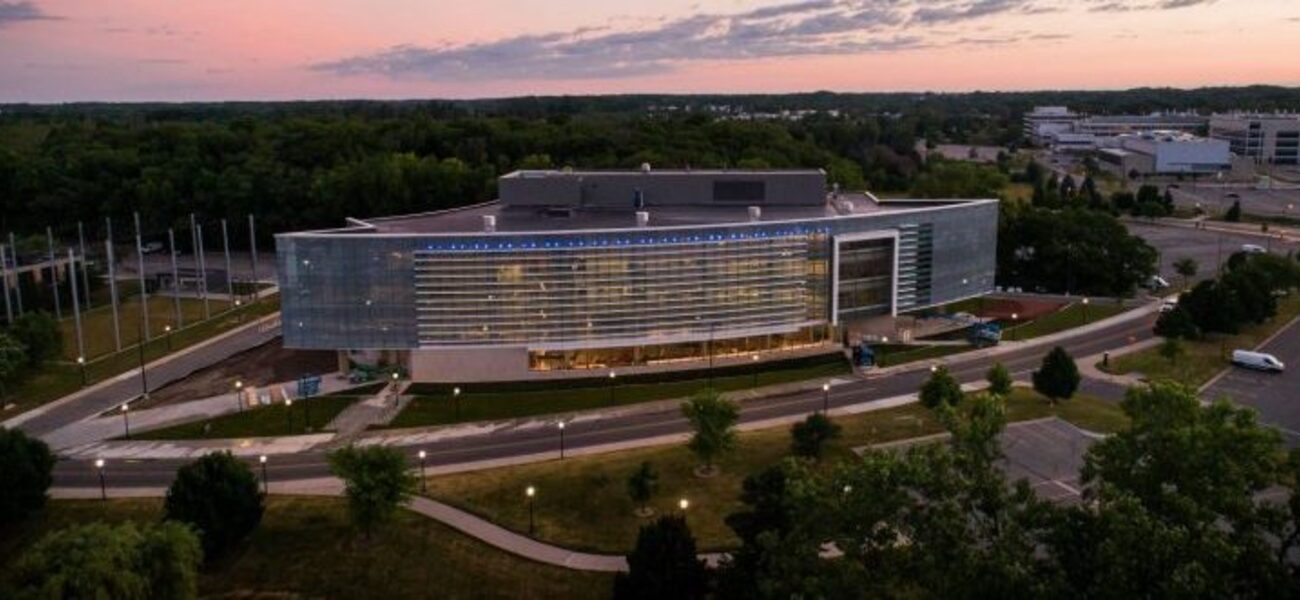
1088,364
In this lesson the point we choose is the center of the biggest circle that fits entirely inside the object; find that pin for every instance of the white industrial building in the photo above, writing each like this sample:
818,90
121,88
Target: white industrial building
1165,153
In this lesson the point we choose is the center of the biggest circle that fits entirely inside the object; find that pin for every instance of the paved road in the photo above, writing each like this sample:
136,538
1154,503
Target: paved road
1215,200
523,442
1275,396
164,371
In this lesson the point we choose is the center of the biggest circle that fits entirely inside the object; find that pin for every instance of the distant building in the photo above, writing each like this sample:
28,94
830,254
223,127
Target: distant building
574,271
1060,128
1265,138
1165,153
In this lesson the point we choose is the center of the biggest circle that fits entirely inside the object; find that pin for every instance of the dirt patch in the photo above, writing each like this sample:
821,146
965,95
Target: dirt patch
269,363
1025,309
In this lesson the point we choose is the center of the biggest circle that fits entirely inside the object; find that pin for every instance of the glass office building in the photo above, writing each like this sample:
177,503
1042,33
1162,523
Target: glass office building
573,271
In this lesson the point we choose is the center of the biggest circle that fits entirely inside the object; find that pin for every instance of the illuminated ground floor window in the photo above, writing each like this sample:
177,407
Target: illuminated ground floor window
604,358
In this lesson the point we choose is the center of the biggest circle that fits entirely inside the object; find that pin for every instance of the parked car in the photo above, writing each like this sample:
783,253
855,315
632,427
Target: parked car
1155,283
1253,249
152,247
1259,361
1169,305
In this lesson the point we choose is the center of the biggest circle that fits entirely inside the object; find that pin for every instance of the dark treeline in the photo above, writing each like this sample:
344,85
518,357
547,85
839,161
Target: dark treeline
310,164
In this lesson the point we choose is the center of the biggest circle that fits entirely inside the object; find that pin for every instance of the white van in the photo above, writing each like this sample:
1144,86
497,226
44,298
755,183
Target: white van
1253,249
1156,283
1257,360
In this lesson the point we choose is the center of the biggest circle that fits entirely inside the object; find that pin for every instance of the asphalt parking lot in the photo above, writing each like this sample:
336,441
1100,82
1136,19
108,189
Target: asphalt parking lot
1215,200
1275,396
1208,248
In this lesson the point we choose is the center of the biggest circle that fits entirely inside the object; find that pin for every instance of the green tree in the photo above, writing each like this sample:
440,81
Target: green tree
1233,214
999,379
713,421
217,495
1186,268
1058,377
808,437
663,564
26,468
39,333
641,487
118,562
1171,349
941,389
1178,510
376,483
1177,323
13,359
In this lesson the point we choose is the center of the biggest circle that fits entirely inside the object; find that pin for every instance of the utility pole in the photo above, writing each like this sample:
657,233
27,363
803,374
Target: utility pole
112,283
4,277
18,278
252,253
76,309
85,277
54,274
230,280
144,289
176,280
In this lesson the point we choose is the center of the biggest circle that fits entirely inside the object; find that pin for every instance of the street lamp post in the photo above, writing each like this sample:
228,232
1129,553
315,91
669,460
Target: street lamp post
421,454
682,505
611,387
754,382
239,315
826,398
288,413
1015,318
239,402
144,380
126,421
168,330
1085,311
531,493
81,362
266,484
560,426
103,488
455,399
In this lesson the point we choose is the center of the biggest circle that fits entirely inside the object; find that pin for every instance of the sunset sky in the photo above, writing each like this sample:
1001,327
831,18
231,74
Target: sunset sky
67,50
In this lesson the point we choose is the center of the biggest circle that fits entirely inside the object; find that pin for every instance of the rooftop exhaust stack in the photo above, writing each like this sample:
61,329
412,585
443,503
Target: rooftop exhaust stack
645,167
642,218
755,213
489,223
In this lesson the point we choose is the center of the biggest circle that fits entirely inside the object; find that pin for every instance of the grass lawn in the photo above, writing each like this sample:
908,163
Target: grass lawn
58,379
305,548
891,355
1074,315
557,398
272,420
1203,359
582,502
97,323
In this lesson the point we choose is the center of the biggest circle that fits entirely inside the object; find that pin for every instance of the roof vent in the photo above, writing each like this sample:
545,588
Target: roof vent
645,167
490,223
642,218
755,213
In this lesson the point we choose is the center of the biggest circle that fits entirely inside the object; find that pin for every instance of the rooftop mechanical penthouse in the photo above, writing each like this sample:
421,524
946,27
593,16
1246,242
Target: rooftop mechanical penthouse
571,271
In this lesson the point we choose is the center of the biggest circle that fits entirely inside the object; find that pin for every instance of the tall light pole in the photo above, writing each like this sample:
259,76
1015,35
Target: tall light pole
455,400
560,426
422,454
1085,310
531,493
144,379
239,401
168,330
826,398
611,387
754,359
126,420
81,362
288,413
266,484
103,488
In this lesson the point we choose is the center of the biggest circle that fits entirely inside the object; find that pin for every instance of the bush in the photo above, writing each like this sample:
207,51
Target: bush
376,483
809,436
39,334
1058,378
1234,212
642,485
713,420
155,561
999,379
26,464
1177,323
218,496
940,389
663,564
